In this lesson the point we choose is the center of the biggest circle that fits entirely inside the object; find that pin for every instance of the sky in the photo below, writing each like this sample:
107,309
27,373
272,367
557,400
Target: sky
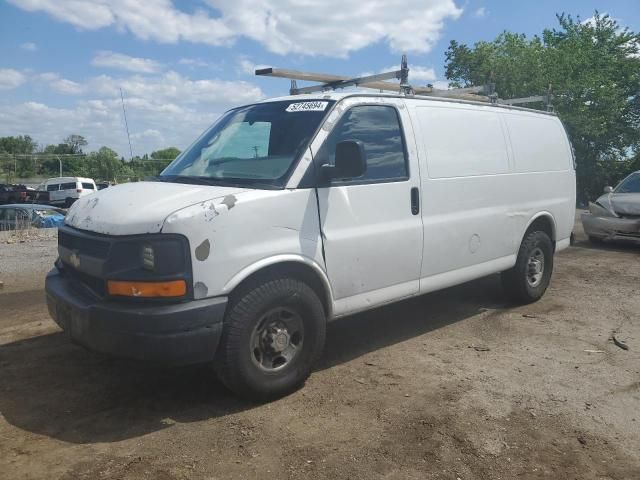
180,64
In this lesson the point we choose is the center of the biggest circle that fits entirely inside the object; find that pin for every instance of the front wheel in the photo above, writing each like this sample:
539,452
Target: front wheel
527,281
273,332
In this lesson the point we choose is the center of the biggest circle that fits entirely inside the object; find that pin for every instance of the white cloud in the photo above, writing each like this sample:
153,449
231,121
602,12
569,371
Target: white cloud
441,84
332,27
61,85
247,67
29,46
120,61
418,74
481,12
162,109
10,78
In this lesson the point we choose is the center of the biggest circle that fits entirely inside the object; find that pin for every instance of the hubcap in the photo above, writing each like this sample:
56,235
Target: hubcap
535,267
276,339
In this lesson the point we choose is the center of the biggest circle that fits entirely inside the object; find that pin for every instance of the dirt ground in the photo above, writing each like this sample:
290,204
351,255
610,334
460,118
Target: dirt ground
453,385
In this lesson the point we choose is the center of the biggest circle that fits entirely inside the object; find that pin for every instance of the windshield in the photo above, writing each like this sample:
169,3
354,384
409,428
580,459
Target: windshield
255,145
631,184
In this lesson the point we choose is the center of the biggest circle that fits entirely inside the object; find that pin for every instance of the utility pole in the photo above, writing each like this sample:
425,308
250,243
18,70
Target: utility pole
126,124
60,164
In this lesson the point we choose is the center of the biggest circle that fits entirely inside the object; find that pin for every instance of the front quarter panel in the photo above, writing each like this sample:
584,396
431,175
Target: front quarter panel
230,237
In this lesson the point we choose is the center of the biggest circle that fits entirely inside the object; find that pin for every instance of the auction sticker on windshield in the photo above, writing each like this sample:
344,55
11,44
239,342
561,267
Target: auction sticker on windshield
307,107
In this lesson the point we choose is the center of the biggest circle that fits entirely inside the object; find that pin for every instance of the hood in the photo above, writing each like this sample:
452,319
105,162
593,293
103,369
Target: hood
621,203
136,208
626,203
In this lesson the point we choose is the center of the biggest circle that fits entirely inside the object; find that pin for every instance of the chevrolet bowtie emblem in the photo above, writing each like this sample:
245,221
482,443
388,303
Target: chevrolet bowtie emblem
74,260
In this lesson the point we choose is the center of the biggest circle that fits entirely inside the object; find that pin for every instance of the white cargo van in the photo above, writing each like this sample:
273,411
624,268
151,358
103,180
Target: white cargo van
66,190
299,210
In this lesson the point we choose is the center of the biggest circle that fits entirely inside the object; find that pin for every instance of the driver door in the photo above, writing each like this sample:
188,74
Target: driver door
371,226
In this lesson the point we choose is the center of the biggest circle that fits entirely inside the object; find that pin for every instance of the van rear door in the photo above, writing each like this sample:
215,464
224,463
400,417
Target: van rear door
372,234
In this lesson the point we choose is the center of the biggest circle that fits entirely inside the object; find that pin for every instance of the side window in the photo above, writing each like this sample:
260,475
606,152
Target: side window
68,186
53,187
378,128
9,214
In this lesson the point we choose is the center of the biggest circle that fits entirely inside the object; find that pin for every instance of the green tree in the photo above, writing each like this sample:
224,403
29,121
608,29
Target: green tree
75,143
20,145
166,153
594,70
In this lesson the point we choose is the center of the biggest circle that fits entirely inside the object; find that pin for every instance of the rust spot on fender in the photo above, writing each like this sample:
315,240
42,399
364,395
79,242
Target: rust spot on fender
229,201
200,290
202,250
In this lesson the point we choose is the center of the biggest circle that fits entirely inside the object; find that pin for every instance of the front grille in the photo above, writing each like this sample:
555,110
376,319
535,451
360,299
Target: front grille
88,246
97,285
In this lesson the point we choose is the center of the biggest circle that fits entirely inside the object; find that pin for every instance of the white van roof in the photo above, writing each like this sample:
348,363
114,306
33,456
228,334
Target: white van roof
69,179
333,95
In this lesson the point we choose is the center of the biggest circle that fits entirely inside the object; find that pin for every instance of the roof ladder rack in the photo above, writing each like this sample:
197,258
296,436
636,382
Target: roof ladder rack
332,82
327,82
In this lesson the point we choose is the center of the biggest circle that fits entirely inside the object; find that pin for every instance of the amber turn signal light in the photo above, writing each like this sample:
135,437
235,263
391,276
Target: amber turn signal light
174,288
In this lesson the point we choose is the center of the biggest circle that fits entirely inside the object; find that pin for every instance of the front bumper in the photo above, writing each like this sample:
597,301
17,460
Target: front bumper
610,227
173,334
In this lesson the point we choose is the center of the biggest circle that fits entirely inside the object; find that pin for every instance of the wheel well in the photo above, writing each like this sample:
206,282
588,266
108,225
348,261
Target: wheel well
544,224
296,270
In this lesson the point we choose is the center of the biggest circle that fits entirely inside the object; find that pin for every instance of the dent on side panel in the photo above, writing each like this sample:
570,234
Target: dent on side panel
227,236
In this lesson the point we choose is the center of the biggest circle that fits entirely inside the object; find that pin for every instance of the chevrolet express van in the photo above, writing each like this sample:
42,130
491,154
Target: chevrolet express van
295,211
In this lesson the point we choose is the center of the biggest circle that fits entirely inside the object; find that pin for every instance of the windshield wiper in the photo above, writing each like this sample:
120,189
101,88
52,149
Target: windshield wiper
222,182
185,179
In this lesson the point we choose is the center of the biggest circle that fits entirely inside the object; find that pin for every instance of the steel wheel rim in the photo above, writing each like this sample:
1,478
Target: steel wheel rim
535,267
276,340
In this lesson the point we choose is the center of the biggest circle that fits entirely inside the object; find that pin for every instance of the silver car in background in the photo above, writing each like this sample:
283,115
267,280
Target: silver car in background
616,214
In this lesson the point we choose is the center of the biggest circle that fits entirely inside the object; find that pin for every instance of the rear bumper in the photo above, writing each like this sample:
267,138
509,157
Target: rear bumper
610,227
175,334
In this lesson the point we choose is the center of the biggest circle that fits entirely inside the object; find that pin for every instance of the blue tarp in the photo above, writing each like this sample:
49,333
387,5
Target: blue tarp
53,221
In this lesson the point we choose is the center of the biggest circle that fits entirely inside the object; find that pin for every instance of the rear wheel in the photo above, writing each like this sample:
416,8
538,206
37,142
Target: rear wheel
527,281
596,240
273,332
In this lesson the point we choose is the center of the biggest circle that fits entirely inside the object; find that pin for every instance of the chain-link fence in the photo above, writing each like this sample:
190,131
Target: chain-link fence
33,169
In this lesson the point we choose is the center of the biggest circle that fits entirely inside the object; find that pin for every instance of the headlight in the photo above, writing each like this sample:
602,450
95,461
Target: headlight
148,257
599,211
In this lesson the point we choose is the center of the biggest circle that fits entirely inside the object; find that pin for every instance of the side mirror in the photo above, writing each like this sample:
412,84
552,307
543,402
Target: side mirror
608,189
351,161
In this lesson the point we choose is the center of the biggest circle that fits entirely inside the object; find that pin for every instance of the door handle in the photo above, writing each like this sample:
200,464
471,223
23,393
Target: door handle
415,201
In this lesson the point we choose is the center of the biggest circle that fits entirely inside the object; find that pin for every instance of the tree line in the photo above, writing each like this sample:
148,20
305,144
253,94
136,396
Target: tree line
22,157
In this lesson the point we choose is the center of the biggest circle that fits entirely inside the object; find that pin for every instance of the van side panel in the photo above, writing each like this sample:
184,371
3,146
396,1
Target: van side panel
465,199
543,177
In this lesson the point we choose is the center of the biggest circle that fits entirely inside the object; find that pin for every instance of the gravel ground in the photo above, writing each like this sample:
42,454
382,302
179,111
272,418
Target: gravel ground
25,259
452,385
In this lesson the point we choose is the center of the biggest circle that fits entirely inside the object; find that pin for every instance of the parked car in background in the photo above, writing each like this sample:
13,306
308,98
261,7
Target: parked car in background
66,190
103,185
616,214
12,193
20,216
35,195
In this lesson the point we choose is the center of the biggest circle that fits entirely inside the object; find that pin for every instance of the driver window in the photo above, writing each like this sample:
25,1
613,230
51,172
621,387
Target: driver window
378,128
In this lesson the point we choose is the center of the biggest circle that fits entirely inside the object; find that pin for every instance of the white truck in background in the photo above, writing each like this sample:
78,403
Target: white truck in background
299,210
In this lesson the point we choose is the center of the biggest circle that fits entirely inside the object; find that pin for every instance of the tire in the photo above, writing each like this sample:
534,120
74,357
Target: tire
524,283
247,360
596,240
68,202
